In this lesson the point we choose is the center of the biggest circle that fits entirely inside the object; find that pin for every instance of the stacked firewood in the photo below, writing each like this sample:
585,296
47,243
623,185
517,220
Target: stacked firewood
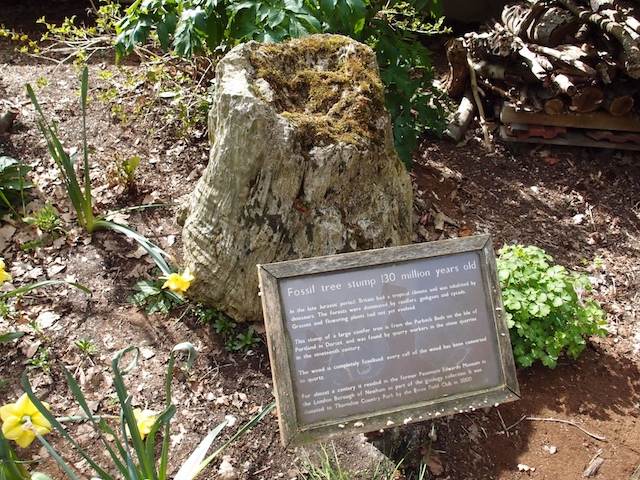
551,57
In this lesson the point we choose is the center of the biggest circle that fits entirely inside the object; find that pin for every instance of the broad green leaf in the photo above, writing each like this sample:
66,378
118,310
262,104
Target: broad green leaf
10,336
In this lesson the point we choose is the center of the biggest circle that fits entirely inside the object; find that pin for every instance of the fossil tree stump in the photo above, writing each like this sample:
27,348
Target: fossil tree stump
302,164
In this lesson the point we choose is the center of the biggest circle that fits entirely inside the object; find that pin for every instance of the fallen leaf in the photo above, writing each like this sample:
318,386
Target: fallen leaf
226,471
55,269
138,253
578,218
435,464
6,232
147,352
30,347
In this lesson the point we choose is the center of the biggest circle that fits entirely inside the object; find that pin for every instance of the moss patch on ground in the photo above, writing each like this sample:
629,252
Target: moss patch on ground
326,85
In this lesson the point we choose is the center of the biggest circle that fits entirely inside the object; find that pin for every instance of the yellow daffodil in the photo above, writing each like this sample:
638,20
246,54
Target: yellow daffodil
144,421
178,282
4,275
22,420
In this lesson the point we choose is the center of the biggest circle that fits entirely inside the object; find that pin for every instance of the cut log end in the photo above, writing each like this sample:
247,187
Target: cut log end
554,106
587,99
619,106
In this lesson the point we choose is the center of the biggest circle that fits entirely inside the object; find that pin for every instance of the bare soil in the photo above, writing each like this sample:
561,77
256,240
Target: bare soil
576,203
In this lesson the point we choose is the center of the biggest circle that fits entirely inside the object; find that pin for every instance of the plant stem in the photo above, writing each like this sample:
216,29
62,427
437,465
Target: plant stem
84,418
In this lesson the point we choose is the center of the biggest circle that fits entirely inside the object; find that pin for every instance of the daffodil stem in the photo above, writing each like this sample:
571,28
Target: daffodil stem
84,418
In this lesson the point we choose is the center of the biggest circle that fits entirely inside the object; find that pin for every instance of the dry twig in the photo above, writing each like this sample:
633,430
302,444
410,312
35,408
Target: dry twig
595,436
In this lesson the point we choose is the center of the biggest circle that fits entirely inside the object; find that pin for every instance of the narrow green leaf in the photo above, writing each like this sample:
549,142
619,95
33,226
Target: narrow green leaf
26,386
244,429
164,419
10,336
79,396
148,469
191,467
84,87
134,474
155,252
59,460
44,283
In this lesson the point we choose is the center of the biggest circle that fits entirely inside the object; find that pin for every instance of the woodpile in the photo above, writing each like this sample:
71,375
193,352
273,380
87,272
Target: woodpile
575,60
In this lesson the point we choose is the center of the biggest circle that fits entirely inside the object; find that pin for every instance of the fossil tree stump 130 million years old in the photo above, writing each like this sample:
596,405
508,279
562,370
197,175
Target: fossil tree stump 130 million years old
302,164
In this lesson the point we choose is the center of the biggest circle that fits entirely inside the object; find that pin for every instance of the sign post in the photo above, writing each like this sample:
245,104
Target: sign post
369,340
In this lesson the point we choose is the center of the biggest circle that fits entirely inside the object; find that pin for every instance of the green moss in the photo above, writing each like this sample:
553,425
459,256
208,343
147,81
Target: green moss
326,85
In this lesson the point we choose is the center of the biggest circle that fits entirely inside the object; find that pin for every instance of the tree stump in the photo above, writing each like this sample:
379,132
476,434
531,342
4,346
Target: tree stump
302,164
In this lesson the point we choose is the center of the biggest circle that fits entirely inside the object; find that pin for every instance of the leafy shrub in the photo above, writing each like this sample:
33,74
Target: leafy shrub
192,26
548,310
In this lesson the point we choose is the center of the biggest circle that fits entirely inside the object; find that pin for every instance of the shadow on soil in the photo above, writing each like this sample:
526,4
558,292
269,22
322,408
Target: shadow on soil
593,392
577,204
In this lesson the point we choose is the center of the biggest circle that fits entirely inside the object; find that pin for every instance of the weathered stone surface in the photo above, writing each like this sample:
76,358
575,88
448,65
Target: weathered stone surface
302,164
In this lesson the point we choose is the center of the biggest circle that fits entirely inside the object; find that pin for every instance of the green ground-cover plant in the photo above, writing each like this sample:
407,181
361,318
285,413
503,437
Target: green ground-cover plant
549,310
393,28
236,338
327,466
149,295
13,183
131,445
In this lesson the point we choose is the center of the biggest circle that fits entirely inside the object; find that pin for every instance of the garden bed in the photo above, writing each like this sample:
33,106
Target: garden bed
582,206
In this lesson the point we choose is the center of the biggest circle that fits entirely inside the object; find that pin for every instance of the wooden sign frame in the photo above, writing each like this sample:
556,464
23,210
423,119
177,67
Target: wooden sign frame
281,356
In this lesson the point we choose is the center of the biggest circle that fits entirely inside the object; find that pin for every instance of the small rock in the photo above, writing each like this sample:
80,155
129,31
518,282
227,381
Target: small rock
47,319
226,471
551,449
147,352
578,219
29,348
524,467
